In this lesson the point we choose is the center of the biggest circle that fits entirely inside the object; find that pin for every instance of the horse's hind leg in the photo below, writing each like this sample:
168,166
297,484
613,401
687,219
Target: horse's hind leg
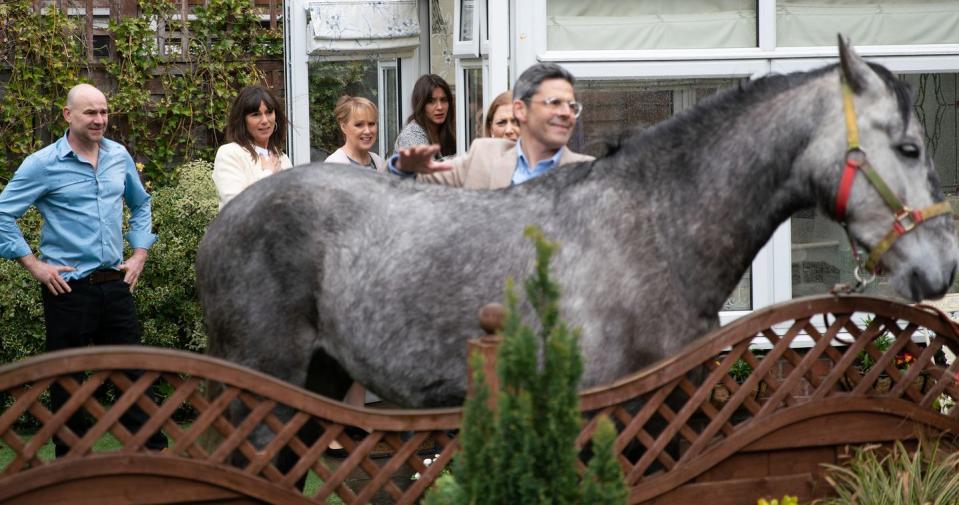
326,377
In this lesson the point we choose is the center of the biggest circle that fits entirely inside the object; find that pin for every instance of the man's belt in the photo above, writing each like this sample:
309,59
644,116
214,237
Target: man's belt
101,276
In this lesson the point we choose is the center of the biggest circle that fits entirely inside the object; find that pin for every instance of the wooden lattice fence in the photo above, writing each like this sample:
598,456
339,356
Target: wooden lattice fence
678,439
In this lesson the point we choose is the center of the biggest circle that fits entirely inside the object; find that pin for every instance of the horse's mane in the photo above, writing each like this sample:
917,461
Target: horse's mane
725,103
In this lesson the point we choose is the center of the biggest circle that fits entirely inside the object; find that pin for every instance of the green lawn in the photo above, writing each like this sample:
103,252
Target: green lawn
108,443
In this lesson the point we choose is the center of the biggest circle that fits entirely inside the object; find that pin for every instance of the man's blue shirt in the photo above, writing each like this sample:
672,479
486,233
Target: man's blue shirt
82,209
521,174
523,171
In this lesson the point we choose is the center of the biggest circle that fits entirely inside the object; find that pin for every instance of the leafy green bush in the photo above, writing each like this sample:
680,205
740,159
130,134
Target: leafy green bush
166,294
21,314
876,476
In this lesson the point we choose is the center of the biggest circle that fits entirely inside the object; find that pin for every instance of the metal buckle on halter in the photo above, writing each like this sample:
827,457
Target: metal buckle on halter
905,220
862,282
856,156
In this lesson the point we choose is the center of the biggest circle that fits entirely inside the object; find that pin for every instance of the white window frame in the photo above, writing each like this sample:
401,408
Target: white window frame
771,269
382,66
467,48
492,45
411,65
462,100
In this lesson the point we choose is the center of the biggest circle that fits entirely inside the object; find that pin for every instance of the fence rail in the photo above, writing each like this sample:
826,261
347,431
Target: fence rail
678,436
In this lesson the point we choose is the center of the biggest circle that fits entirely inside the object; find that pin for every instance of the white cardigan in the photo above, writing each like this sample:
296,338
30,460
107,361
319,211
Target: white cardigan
234,170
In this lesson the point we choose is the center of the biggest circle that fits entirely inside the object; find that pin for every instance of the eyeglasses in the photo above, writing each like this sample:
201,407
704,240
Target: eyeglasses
556,105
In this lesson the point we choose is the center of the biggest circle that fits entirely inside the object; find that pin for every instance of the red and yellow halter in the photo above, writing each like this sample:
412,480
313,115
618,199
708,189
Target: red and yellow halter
905,218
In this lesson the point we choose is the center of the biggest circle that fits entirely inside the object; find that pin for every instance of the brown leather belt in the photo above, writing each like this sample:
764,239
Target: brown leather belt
101,276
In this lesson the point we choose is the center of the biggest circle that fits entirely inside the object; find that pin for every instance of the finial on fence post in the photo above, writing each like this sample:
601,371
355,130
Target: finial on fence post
491,318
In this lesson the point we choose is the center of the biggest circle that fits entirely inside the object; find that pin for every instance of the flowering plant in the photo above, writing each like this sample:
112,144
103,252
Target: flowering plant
787,500
904,359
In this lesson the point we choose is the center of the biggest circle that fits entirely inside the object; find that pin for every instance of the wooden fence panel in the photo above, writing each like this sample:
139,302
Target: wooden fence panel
678,437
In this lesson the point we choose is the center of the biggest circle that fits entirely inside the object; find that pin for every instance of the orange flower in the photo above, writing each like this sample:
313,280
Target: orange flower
904,359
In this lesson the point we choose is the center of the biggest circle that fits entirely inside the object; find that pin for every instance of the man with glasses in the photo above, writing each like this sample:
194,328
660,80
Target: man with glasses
545,105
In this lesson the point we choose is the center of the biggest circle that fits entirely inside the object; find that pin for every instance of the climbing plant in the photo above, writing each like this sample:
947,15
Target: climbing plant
167,106
40,60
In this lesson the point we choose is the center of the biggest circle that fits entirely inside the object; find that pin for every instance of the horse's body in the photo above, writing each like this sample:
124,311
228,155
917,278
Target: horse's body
325,271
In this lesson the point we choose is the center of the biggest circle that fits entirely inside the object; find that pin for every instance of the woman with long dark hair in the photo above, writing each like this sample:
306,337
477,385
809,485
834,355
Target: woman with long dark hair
256,131
433,119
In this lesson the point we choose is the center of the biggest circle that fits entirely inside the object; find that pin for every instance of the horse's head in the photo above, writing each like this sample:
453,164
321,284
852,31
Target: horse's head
888,190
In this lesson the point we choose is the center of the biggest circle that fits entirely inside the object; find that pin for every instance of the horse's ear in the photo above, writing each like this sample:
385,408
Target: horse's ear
854,68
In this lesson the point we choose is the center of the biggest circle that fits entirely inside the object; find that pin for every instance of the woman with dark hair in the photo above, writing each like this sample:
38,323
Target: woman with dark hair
433,118
256,130
500,122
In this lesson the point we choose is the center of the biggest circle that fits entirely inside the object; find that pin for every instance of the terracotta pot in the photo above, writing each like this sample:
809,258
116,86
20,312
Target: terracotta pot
883,384
720,395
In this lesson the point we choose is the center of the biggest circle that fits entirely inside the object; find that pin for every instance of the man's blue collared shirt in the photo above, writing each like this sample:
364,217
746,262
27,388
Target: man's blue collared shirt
82,209
524,173
521,174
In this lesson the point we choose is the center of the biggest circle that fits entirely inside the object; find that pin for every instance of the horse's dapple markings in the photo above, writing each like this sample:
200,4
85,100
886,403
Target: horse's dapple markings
326,272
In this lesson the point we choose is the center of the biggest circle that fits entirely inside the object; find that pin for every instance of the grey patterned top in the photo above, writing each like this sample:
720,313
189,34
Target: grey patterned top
411,135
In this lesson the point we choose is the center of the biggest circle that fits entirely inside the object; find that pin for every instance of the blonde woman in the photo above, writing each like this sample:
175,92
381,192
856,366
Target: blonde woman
357,118
256,130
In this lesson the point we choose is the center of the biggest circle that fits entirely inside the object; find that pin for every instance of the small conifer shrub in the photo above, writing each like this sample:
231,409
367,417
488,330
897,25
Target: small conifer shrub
524,452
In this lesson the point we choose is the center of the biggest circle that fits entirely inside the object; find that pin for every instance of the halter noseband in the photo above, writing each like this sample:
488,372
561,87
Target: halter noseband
905,218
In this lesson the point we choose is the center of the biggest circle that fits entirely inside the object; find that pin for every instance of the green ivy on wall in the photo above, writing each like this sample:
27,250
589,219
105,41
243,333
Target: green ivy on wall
42,56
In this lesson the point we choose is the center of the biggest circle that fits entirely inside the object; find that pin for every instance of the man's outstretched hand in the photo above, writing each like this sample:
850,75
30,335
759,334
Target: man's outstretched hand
419,159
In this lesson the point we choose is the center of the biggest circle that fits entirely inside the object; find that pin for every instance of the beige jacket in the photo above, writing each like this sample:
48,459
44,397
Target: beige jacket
489,164
234,170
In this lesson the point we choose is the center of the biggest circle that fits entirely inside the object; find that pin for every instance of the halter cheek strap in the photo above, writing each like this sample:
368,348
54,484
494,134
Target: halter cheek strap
905,218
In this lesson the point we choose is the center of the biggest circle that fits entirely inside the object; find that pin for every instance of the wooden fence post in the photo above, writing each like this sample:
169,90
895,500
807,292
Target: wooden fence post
491,318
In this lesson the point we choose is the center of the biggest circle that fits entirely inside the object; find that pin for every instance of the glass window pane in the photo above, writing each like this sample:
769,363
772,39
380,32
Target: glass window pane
328,81
866,22
473,77
391,105
650,24
615,105
466,20
821,255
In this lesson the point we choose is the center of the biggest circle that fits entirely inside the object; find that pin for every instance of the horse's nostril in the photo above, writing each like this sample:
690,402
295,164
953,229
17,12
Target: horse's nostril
922,286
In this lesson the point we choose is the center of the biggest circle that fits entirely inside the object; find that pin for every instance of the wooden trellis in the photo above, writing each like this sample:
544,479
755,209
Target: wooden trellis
676,441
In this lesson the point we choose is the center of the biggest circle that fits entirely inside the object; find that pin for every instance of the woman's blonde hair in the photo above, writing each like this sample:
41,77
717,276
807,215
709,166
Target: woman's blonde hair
347,105
504,98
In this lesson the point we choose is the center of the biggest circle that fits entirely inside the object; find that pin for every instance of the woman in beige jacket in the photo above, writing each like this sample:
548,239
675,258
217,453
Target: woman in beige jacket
256,130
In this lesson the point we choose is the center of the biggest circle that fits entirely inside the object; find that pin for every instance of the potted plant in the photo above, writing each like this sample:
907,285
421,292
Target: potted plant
739,371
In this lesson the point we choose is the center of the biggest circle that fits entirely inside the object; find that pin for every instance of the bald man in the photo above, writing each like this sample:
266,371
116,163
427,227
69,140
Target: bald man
80,184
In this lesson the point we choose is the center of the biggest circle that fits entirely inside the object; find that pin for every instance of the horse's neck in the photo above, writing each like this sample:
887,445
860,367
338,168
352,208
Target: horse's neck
725,185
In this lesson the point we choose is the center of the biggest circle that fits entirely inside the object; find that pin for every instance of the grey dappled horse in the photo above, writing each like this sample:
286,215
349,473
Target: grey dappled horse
325,272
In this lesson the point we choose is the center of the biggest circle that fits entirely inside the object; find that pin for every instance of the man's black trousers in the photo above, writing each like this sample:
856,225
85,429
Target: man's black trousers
94,314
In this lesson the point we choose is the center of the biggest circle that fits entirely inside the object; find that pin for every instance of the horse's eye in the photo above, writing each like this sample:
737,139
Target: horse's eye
908,150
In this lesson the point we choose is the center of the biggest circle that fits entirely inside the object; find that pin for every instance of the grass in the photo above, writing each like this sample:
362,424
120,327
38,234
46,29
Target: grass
876,476
109,443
